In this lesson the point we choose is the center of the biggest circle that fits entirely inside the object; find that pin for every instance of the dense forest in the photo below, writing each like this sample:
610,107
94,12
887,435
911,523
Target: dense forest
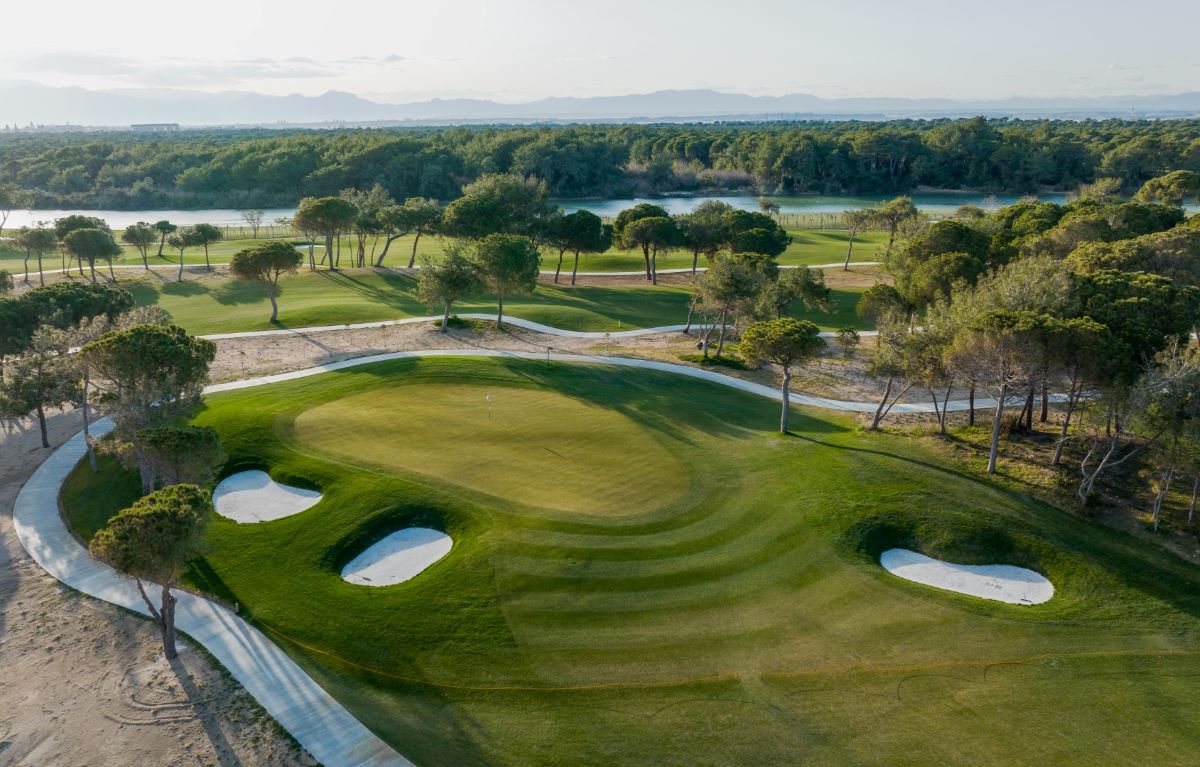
239,168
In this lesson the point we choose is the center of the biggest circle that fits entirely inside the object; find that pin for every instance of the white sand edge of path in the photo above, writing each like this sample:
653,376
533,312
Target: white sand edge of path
630,362
1001,583
312,716
397,557
538,327
193,266
252,496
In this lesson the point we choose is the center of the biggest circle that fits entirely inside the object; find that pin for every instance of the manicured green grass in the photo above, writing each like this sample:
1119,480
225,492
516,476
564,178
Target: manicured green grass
809,246
421,428
323,298
746,623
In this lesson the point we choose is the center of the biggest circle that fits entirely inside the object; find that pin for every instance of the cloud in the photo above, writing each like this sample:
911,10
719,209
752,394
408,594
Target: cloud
184,71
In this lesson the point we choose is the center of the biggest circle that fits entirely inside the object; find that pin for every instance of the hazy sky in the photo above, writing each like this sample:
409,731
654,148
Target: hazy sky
396,50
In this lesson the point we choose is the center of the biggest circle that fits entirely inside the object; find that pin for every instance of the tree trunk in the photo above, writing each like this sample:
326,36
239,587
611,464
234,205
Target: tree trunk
695,263
887,392
27,254
849,248
1161,498
558,268
274,304
207,265
92,268
996,418
646,258
167,622
165,617
146,472
721,336
329,251
688,326
784,393
41,416
575,268
41,274
446,318
1195,493
500,309
112,275
1072,399
891,240
654,267
412,259
386,244
161,241
87,420
971,405
1045,402
1027,413
145,258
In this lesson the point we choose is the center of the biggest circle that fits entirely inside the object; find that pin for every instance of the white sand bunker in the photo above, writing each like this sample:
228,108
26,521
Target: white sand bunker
398,557
1003,583
252,496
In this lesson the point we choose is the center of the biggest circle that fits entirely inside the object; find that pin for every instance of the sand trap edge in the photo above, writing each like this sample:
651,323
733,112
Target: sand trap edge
1000,583
397,557
252,496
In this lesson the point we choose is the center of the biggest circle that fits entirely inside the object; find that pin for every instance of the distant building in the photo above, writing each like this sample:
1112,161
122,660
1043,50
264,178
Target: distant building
154,127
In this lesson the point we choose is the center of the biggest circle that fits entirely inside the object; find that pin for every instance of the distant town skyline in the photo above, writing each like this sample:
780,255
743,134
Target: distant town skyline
528,49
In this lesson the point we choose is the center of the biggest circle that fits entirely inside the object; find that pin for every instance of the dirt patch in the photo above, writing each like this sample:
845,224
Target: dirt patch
82,682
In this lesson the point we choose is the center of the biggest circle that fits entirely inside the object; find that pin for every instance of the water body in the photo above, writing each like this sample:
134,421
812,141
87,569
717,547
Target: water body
941,202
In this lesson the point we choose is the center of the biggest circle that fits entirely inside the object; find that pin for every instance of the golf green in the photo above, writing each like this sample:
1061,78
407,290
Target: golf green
682,586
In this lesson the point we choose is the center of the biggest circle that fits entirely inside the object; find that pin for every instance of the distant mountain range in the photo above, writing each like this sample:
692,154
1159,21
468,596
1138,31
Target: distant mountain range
23,103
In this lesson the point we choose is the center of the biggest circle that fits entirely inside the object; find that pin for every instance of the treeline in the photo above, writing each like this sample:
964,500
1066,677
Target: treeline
257,168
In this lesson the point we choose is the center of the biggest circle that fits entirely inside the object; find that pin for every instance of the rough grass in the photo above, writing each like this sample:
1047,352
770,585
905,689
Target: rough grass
324,298
748,624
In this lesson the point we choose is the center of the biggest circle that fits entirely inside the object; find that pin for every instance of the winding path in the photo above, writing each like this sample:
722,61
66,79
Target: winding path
509,320
313,717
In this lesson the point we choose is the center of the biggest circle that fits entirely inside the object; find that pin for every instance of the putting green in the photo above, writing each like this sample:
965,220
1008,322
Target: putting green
531,446
746,621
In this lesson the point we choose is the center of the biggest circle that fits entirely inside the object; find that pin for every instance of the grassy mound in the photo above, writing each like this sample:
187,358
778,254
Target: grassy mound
747,622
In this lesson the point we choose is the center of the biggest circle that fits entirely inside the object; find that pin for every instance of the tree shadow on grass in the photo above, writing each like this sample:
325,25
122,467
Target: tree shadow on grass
186,288
237,292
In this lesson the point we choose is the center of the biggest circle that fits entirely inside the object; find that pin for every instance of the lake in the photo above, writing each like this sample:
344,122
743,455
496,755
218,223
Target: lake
941,202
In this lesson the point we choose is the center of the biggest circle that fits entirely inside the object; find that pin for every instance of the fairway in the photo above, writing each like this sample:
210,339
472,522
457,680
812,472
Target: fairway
808,246
306,299
742,619
578,457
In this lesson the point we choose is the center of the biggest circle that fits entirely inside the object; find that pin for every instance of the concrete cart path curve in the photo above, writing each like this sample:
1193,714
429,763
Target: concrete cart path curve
318,722
981,403
515,321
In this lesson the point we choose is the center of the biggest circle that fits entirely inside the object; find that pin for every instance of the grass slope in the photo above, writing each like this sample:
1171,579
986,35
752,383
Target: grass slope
324,298
747,622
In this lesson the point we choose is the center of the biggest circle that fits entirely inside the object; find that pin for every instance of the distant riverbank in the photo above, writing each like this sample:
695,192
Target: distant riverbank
822,204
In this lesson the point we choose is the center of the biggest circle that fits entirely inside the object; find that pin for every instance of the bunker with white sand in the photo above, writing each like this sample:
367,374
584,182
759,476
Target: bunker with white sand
397,557
252,496
1002,583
